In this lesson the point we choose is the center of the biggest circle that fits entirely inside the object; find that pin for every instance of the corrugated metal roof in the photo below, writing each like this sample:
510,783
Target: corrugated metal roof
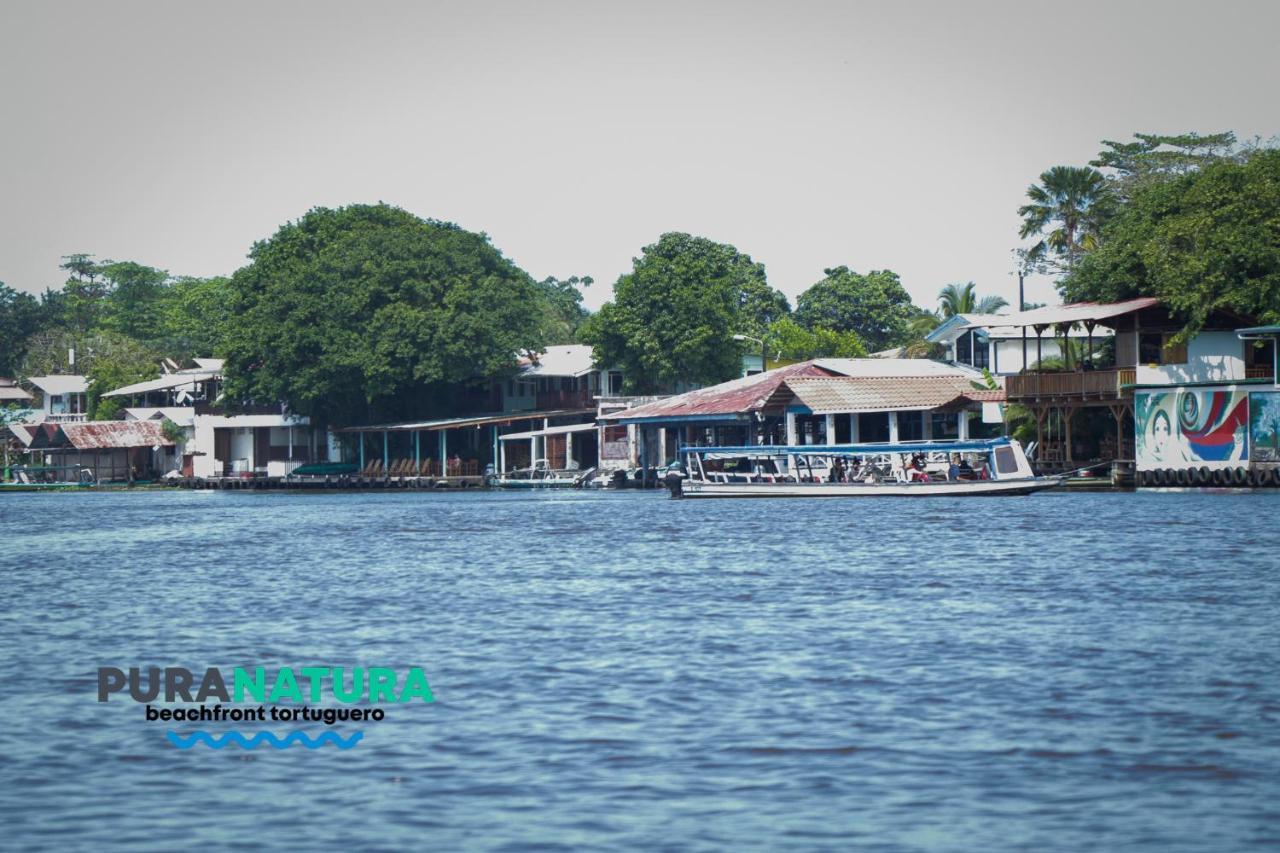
559,360
879,394
555,430
102,435
734,397
63,384
183,379
12,392
1075,312
869,368
475,420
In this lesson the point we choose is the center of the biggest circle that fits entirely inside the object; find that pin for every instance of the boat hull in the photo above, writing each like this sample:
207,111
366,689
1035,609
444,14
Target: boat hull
939,488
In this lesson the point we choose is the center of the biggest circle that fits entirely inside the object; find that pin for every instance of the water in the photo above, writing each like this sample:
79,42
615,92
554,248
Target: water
622,671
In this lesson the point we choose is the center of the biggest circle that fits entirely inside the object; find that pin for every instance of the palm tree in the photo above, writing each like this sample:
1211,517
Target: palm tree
1074,198
963,299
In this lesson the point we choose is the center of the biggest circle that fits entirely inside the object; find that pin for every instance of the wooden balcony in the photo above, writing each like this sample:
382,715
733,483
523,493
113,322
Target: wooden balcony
1071,385
579,399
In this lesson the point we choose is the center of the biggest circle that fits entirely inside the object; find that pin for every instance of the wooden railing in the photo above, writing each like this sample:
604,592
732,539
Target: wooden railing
579,399
1105,384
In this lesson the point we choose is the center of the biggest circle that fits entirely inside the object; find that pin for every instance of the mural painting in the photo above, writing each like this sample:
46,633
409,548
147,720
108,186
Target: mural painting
1175,429
1264,426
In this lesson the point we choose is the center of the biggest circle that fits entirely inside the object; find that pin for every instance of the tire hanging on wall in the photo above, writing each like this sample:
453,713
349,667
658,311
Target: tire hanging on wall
1240,476
1203,475
1219,477
1161,476
1181,476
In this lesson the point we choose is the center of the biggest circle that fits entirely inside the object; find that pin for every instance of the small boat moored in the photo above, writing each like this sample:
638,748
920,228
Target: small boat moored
900,469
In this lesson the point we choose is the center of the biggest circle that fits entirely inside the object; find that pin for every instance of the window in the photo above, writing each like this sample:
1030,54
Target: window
981,352
1006,462
1157,348
964,349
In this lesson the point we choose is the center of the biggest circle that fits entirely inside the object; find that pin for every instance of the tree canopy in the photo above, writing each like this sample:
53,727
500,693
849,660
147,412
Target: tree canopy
1067,207
674,315
20,318
792,342
1204,240
352,313
874,306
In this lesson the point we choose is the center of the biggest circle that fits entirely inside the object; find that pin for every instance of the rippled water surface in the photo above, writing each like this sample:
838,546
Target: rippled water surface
623,671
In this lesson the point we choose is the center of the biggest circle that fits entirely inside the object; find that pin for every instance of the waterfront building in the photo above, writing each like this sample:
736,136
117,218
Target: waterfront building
988,341
1144,400
257,440
11,393
821,401
62,398
98,451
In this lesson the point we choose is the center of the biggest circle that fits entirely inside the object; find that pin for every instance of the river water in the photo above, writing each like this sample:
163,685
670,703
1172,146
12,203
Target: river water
623,671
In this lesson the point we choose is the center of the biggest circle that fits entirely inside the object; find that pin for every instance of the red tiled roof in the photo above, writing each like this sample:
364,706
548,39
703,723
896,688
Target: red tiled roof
101,435
881,394
728,398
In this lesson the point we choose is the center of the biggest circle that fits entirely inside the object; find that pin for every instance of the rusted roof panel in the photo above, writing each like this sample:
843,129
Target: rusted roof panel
102,435
880,394
735,397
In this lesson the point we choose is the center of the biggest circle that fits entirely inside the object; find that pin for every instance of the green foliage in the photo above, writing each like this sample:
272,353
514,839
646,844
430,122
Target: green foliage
172,431
357,311
1203,241
674,315
194,318
112,361
1070,203
874,306
1156,157
963,299
20,318
793,342
565,312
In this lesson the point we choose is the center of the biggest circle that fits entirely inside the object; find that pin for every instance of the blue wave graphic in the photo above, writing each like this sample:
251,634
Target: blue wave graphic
287,741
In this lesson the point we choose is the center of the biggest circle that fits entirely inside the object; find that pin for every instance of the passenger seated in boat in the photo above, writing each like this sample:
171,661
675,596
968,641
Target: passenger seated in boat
914,472
966,470
837,472
953,470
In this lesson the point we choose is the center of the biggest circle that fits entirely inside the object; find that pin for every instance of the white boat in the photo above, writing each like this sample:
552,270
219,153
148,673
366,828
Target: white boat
900,469
542,476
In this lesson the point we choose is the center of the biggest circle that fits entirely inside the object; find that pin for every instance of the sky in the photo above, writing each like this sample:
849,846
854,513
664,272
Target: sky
808,135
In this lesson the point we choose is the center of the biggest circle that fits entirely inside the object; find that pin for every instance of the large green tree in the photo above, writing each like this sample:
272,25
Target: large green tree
673,317
20,318
1206,240
565,311
1066,210
1155,157
358,312
874,306
792,342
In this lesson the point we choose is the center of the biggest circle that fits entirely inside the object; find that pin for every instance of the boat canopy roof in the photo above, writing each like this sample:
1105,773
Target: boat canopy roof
967,446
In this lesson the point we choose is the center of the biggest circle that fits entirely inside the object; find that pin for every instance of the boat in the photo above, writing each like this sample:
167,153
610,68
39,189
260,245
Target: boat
897,469
541,475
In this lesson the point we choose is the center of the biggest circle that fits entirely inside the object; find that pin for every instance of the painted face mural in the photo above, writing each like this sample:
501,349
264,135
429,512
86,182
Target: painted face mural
1180,427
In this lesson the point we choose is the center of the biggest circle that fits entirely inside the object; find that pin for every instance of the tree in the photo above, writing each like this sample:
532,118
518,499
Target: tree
83,298
364,311
673,317
963,299
1157,157
115,361
195,317
793,342
1204,241
563,298
1077,201
135,297
874,306
20,318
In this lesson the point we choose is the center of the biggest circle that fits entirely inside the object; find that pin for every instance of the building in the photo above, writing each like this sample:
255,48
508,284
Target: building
260,440
987,341
63,398
98,451
545,410
1145,400
12,394
823,401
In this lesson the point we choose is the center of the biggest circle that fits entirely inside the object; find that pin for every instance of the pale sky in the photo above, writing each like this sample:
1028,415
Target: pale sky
875,135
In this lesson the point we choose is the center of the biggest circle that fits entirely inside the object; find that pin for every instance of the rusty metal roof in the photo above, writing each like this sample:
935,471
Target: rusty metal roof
845,394
103,435
726,400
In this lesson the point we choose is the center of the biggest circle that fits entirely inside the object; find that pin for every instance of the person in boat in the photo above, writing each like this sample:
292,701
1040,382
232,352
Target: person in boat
966,470
854,472
914,471
953,470
837,471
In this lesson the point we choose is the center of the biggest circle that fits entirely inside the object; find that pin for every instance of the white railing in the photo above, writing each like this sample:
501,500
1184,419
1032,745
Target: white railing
66,418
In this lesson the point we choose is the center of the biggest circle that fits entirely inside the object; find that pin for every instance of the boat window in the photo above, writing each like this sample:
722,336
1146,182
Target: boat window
1006,462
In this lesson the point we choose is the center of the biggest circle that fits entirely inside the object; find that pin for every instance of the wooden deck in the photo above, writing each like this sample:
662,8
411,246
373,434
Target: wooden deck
1095,385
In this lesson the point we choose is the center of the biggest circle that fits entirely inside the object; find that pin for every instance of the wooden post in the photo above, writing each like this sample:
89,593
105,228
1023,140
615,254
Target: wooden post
1069,414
